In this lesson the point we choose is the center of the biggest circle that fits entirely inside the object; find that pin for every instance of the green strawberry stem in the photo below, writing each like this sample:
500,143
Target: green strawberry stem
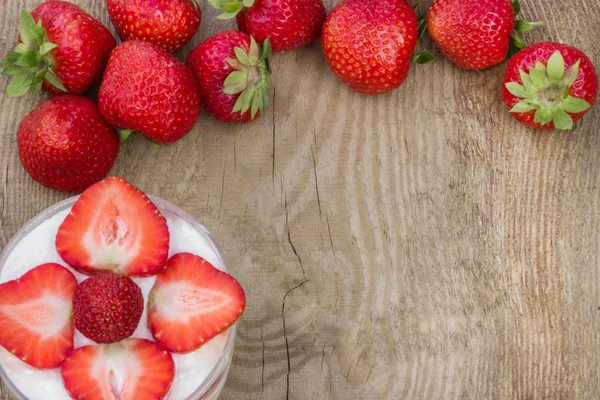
516,43
124,134
423,56
31,61
251,78
230,8
545,89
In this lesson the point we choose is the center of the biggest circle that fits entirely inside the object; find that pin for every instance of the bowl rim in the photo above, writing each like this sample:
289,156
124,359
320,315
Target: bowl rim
224,359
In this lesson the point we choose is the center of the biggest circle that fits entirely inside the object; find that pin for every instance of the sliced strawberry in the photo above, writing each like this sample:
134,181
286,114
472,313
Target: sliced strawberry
191,302
35,315
114,227
130,369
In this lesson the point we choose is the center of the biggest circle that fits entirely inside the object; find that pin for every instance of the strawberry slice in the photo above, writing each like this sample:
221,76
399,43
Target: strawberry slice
35,315
126,370
114,227
191,302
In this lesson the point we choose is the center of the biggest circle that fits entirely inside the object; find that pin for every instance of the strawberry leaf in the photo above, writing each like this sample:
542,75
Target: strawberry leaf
562,120
242,56
236,82
522,107
516,7
538,79
529,87
516,90
30,59
29,31
254,51
422,57
47,47
54,81
19,85
543,116
575,105
124,134
556,67
570,75
523,26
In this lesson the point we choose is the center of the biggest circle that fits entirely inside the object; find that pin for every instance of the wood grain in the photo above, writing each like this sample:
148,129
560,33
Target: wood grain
416,245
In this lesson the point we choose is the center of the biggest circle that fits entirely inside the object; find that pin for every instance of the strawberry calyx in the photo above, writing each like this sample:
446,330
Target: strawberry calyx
251,78
124,134
423,56
230,8
516,43
545,89
31,62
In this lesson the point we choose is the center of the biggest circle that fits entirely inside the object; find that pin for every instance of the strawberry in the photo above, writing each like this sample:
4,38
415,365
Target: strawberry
66,145
476,34
133,369
35,315
107,307
114,227
368,44
549,86
191,302
234,76
289,24
147,90
65,51
169,24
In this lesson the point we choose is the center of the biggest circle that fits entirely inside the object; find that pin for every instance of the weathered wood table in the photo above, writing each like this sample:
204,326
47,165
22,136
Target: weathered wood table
416,245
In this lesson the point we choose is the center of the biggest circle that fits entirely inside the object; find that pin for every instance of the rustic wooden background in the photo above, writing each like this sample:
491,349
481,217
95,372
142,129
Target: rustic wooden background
416,245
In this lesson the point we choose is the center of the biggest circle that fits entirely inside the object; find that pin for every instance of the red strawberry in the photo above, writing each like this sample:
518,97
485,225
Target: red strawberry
107,307
549,85
234,76
289,24
133,369
35,315
66,145
476,34
66,50
368,43
167,23
114,227
147,90
191,302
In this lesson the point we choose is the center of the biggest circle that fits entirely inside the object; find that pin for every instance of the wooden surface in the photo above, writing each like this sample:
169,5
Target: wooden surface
397,247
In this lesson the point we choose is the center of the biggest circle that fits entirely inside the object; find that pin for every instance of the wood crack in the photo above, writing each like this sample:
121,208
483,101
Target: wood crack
273,106
287,347
316,181
287,227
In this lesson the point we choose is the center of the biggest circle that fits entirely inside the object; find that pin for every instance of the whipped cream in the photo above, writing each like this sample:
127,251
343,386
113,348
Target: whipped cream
37,247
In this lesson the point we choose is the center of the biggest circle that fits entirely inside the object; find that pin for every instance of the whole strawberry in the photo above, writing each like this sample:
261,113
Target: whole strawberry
549,85
289,24
107,307
62,49
66,145
369,43
167,23
234,76
476,34
147,90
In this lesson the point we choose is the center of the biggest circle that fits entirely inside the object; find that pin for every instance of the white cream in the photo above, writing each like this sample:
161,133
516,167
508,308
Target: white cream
37,248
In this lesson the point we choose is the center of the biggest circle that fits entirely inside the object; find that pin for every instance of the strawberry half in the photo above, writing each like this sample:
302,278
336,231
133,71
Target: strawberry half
130,369
35,315
114,227
191,302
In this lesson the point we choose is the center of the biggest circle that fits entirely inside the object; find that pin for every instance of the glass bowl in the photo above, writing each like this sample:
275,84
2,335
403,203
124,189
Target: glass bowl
211,386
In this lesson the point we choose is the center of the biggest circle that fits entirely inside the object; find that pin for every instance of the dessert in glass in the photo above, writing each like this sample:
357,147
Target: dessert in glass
181,346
